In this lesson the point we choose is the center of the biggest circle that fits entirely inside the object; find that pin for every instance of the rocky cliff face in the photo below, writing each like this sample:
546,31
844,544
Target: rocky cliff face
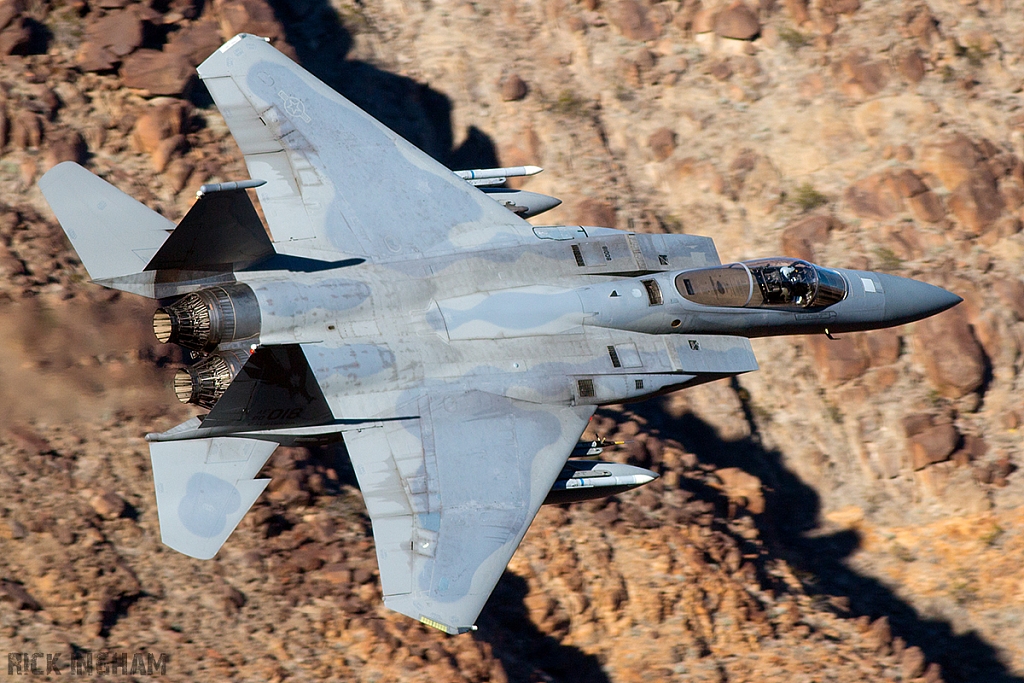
853,511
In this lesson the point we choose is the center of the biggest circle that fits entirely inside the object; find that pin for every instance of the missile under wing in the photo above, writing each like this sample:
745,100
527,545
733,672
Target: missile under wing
457,350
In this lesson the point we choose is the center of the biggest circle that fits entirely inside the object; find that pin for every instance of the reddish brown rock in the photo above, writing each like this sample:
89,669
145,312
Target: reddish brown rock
933,445
926,207
17,37
839,360
9,9
164,120
16,594
738,22
843,6
918,22
860,77
108,504
662,143
196,41
596,212
742,487
177,173
797,11
976,202
120,32
93,57
167,150
953,360
912,663
953,160
68,147
26,130
924,204
876,196
800,239
911,66
158,73
883,347
513,88
1011,293
252,16
915,423
634,21
881,634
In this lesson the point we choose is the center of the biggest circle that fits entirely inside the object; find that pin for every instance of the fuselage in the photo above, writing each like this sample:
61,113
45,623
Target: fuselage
581,316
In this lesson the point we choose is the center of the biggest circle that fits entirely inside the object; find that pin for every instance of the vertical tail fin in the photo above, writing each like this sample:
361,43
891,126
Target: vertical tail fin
113,234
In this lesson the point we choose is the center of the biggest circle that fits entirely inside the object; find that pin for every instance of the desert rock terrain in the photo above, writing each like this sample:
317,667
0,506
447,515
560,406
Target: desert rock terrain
853,511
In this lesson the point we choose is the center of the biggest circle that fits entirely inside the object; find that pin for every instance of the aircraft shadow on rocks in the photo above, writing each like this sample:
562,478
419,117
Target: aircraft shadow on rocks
789,527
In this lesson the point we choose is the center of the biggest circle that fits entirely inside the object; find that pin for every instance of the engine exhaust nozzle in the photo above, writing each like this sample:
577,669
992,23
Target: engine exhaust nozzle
204,383
203,319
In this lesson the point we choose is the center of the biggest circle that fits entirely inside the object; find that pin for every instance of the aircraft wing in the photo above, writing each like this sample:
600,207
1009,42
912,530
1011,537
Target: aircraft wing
452,492
337,180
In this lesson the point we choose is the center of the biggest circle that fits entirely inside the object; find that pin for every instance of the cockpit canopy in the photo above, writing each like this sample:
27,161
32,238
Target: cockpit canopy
763,283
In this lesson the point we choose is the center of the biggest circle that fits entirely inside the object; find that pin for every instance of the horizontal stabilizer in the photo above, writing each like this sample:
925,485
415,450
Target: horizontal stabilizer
220,232
113,234
273,390
203,489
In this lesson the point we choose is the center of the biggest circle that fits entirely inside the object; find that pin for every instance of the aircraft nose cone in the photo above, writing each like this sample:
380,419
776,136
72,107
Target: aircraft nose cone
908,300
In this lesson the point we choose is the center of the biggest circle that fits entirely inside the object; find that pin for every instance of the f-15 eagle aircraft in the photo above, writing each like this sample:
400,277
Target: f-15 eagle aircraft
413,312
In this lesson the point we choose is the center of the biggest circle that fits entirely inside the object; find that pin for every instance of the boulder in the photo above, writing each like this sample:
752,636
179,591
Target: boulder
916,423
798,11
120,32
158,73
634,21
976,202
839,360
26,130
911,66
164,119
800,238
68,147
860,77
196,41
953,160
926,207
883,347
912,662
934,444
738,22
662,143
1011,294
513,88
94,57
108,504
252,16
742,487
924,204
877,196
9,10
953,360
17,38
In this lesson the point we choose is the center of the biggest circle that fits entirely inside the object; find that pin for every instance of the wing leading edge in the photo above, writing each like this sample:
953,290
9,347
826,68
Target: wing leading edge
338,180
451,495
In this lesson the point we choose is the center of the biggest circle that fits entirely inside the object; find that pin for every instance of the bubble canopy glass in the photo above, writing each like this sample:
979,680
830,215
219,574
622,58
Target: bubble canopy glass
763,283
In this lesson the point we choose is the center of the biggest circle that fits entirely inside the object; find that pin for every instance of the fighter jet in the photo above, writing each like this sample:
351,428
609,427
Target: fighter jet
412,312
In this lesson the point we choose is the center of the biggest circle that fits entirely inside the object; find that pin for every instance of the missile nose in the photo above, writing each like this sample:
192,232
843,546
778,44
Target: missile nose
908,300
